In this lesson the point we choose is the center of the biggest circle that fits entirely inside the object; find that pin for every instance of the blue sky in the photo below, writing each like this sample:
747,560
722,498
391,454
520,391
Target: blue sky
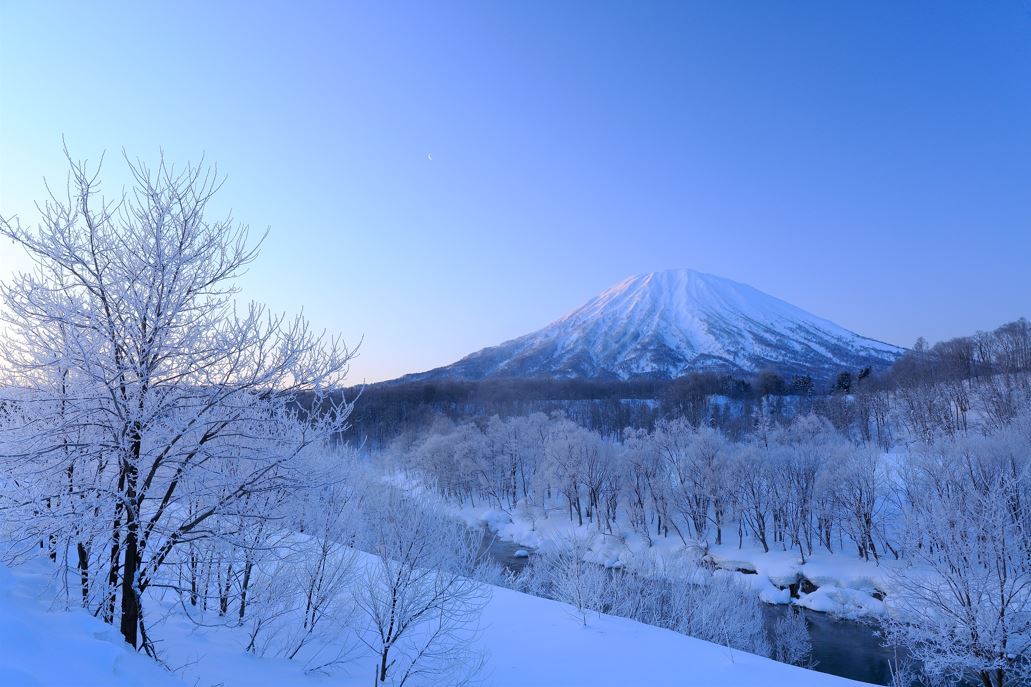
867,161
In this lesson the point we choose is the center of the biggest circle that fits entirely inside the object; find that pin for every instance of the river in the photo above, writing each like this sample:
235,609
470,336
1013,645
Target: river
847,648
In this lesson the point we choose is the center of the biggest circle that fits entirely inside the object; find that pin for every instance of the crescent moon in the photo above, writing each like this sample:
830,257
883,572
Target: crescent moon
429,156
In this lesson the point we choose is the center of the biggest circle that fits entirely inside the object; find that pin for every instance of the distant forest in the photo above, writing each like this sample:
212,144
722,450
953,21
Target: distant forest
732,403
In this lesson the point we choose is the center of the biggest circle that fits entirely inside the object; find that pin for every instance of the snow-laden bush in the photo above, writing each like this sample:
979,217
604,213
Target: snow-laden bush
569,578
687,599
791,641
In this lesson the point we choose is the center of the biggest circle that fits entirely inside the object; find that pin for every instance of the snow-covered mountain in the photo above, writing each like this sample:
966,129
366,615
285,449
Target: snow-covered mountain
666,324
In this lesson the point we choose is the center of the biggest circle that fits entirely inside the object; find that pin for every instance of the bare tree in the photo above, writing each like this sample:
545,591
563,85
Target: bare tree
419,599
141,378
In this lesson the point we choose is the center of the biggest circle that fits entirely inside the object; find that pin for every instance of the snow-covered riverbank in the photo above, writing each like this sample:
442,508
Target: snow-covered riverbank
839,583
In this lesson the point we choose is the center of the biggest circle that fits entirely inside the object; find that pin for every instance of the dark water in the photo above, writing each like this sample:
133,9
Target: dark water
504,552
845,648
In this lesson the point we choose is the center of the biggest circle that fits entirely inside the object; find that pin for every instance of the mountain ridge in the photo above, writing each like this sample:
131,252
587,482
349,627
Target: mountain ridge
666,324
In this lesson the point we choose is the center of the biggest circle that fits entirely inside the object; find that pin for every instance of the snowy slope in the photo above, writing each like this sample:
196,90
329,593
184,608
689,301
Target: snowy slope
524,639
534,641
40,647
665,324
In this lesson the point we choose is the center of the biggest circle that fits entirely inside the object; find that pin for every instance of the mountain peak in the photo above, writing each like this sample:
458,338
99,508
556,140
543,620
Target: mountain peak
668,323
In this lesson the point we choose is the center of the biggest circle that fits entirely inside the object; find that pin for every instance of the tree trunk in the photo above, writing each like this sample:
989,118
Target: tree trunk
83,566
243,588
130,601
130,621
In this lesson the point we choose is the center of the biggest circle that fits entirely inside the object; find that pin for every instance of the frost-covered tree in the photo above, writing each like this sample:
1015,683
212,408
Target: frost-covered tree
852,482
643,491
754,476
418,598
963,605
564,453
800,452
145,403
678,444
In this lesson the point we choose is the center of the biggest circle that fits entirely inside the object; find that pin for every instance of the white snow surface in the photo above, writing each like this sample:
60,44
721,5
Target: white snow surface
526,641
41,646
664,324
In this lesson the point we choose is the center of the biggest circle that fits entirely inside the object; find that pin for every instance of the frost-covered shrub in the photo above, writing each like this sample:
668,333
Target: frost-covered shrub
489,571
719,610
791,642
689,600
561,572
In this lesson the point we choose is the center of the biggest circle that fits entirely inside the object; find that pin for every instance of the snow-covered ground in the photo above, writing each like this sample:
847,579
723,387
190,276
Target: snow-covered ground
526,641
534,641
846,583
43,647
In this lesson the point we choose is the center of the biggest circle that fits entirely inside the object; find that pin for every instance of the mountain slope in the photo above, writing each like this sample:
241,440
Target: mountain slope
666,324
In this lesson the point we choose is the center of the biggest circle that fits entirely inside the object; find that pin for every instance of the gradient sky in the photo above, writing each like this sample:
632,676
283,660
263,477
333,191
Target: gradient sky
867,161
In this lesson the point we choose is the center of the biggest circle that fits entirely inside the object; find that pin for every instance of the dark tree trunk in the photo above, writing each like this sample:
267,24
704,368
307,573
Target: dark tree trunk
83,566
243,588
130,621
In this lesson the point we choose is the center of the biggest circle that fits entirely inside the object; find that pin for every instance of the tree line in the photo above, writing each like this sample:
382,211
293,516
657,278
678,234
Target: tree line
950,508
